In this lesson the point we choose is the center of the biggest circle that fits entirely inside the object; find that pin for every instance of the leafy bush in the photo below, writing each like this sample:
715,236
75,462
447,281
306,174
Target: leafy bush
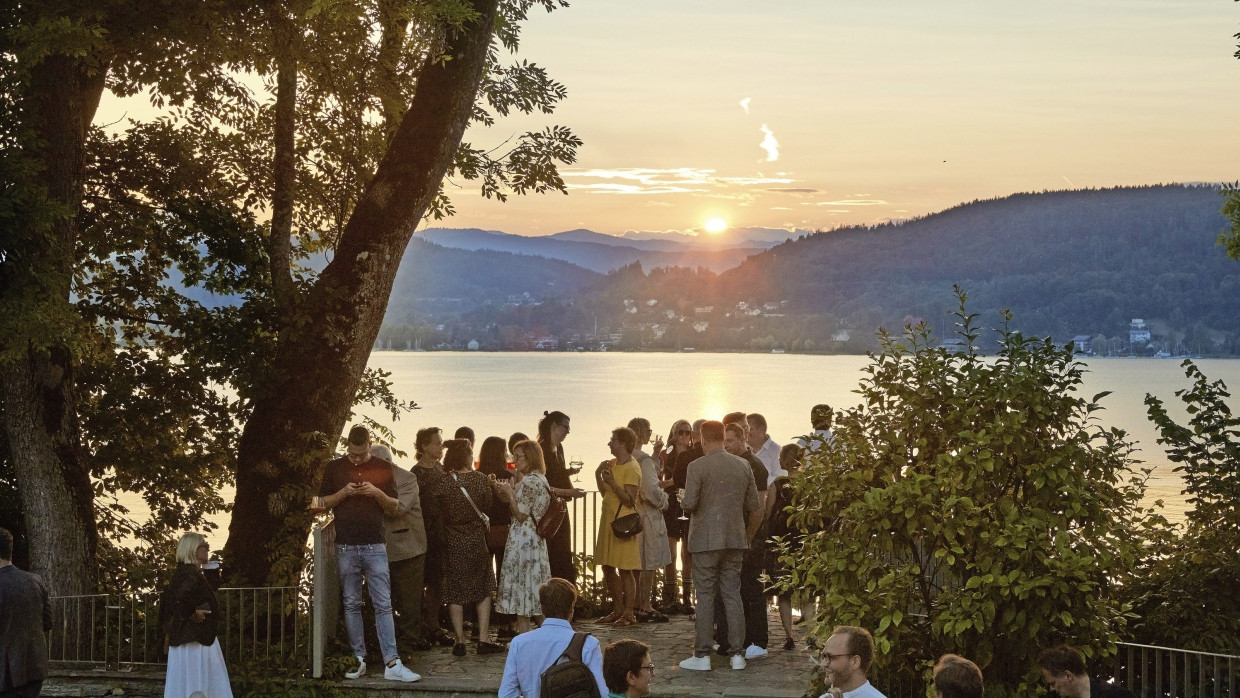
1178,585
970,505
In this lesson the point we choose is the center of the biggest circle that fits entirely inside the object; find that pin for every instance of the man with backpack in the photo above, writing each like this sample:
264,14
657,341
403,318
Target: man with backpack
553,660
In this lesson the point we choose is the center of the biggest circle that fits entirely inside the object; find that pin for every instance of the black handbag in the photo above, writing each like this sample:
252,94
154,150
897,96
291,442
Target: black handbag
626,526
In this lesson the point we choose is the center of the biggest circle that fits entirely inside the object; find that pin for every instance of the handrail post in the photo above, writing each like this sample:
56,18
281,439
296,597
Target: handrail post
318,633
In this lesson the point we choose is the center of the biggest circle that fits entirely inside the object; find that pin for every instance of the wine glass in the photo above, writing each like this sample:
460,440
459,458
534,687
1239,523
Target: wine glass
680,497
575,465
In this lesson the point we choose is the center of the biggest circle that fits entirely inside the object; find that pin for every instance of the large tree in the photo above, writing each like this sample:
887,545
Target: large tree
57,58
231,194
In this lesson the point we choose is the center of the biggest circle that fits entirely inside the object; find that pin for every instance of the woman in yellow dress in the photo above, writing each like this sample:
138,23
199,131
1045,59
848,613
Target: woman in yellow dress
621,558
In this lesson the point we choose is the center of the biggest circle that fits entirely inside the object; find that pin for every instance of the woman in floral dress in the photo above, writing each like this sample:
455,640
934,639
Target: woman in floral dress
525,557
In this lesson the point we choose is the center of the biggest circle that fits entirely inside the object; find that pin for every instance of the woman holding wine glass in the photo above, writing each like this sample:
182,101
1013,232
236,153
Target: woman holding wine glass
552,430
678,442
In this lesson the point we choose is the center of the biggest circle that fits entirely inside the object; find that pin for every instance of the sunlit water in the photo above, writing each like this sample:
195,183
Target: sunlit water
499,393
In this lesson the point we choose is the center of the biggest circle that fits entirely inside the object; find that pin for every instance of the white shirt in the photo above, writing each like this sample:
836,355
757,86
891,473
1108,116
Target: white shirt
824,437
865,690
531,653
769,455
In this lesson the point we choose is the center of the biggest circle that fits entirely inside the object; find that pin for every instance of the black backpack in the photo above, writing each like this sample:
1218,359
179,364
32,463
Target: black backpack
569,677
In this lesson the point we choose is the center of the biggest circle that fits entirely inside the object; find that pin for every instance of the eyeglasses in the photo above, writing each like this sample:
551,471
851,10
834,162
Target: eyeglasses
357,457
826,658
648,666
684,432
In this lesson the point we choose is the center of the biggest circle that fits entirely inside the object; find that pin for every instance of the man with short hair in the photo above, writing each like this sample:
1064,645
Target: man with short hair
428,469
957,677
25,619
530,654
721,498
846,657
404,534
1063,670
361,491
753,594
820,418
763,446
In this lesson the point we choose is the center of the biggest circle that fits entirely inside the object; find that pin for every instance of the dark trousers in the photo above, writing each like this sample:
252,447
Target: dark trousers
560,553
753,600
26,690
408,577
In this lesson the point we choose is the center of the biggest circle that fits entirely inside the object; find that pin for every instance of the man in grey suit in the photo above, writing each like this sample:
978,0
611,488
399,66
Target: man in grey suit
722,499
404,533
25,618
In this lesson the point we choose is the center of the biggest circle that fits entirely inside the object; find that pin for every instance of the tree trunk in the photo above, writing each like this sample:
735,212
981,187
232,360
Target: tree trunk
319,364
37,395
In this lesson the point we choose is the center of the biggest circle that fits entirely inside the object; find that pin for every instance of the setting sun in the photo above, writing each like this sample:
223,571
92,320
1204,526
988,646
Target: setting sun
716,225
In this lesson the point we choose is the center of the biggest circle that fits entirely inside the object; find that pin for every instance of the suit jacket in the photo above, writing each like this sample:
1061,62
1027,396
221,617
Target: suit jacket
719,495
188,592
404,532
25,619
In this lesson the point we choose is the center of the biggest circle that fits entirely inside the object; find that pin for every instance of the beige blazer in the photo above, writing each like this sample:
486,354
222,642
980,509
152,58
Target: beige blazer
404,532
720,492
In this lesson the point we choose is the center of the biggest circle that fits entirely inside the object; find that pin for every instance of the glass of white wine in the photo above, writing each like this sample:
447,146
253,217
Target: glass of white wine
575,465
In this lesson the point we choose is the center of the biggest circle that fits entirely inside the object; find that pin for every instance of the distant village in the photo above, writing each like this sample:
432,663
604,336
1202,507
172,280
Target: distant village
652,325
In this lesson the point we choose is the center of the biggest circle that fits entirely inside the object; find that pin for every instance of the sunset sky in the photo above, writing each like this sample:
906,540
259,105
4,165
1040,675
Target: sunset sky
819,113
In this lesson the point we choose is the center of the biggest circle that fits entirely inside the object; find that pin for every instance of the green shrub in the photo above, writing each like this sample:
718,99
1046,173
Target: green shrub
970,505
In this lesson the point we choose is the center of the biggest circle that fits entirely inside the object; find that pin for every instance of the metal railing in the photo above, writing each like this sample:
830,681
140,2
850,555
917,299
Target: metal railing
117,631
1166,672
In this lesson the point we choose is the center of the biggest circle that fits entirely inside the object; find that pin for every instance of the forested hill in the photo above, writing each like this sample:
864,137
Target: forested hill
1066,263
434,280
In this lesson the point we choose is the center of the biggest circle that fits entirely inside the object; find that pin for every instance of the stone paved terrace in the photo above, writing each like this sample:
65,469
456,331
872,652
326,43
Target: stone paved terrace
782,674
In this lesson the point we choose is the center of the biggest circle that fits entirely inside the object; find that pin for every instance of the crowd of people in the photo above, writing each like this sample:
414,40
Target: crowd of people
474,535
491,535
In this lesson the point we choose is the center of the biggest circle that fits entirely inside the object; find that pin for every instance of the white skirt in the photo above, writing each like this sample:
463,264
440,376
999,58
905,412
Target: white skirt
195,668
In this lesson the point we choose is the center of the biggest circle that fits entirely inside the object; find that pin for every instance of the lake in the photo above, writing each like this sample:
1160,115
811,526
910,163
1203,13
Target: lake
499,393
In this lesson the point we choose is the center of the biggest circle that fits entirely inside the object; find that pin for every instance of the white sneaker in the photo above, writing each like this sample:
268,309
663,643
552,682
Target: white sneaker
400,672
357,673
755,652
696,664
738,662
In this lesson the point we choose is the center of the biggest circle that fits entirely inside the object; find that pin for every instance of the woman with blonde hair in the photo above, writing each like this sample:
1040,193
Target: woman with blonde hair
526,565
621,558
187,613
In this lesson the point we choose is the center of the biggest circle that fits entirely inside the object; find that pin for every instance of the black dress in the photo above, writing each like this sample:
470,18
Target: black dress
467,573
560,547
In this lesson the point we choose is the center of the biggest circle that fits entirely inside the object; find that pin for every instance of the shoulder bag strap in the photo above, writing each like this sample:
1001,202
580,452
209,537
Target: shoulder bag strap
486,521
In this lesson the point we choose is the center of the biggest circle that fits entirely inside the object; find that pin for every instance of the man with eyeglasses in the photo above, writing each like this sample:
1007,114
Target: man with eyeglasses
360,490
846,657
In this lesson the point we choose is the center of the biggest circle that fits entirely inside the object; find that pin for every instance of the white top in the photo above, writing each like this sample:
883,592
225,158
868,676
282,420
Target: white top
824,437
865,690
531,653
769,455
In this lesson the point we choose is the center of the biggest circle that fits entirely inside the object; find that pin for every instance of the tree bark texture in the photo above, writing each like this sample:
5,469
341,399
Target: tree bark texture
37,393
320,361
284,181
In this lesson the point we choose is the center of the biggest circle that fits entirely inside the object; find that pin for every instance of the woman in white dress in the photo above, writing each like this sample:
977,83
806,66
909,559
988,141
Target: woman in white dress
525,557
188,611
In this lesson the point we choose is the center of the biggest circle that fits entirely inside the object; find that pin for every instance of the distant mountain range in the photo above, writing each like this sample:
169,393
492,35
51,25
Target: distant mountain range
1066,263
603,253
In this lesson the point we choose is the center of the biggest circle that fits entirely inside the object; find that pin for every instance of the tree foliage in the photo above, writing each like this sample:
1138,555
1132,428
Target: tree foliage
970,505
1178,585
189,252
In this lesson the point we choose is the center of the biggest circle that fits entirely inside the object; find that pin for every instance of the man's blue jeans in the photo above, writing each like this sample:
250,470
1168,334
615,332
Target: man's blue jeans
354,561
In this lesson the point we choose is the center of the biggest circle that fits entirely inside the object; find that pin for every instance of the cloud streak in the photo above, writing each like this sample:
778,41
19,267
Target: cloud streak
652,181
769,144
745,105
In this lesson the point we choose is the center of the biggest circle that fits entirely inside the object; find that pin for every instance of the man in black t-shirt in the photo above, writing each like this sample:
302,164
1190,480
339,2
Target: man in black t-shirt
360,489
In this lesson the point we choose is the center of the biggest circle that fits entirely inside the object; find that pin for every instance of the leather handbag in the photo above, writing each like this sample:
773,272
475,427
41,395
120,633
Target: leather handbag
553,517
497,538
626,526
